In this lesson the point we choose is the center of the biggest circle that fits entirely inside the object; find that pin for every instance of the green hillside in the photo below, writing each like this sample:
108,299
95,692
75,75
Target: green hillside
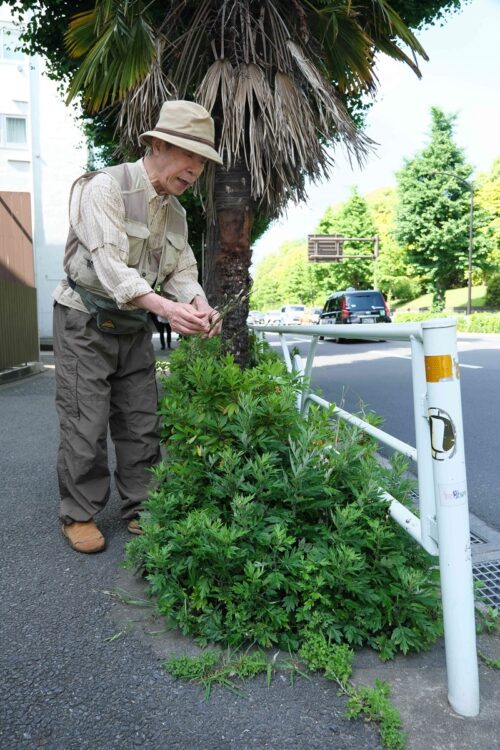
454,298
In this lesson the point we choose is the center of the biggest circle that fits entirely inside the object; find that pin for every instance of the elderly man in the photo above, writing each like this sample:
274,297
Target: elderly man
128,236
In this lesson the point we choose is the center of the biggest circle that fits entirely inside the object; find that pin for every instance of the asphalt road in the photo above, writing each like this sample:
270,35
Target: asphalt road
377,376
74,677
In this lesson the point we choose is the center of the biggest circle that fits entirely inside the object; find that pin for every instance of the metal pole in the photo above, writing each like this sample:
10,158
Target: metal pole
471,235
375,258
307,372
426,496
444,411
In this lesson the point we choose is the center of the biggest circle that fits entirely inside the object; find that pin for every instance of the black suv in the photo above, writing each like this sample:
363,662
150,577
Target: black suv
355,306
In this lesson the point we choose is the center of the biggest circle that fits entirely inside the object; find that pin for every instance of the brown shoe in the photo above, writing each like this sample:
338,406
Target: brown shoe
84,537
134,526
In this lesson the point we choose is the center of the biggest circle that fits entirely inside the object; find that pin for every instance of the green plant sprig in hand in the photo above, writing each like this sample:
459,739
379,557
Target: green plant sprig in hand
227,307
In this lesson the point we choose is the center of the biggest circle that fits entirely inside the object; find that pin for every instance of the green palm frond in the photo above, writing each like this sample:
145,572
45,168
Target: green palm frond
273,73
347,52
351,33
387,24
80,35
118,46
388,30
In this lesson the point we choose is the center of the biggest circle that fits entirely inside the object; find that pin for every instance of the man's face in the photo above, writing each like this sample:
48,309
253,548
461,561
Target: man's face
174,169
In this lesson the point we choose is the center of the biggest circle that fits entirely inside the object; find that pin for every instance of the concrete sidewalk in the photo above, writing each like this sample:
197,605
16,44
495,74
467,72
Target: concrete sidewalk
80,668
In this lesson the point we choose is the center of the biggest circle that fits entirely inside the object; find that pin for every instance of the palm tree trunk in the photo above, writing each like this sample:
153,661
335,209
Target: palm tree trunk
230,254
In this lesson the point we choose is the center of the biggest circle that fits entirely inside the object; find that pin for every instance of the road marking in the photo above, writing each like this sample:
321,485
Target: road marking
294,340
341,356
471,367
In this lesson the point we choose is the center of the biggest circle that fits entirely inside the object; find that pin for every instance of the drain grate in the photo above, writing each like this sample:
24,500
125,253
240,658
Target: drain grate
476,539
489,575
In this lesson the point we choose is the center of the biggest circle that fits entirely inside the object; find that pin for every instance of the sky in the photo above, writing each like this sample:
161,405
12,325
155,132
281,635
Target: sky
462,76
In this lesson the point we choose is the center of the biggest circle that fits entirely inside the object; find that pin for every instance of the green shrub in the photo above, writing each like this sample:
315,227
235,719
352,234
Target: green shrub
475,323
417,317
480,323
403,289
265,525
492,298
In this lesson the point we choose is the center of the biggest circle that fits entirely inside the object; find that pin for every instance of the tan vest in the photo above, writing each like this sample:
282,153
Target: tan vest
78,263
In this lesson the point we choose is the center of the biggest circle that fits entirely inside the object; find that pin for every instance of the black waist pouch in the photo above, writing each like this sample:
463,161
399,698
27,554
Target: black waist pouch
109,317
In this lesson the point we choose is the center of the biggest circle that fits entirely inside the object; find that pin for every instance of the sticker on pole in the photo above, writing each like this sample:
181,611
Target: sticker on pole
443,434
438,368
452,495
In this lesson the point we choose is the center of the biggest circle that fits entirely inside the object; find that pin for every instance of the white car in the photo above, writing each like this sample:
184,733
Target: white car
292,314
255,317
273,318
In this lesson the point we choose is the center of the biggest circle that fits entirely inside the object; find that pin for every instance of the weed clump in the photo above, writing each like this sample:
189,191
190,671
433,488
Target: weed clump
265,526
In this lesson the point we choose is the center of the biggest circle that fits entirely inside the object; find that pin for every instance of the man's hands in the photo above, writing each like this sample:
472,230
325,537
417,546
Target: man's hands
214,319
184,318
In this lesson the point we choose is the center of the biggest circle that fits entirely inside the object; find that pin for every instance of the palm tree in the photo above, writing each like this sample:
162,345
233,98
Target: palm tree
276,76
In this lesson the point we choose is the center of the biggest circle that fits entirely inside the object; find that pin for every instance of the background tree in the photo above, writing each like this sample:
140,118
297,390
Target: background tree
394,277
487,198
298,284
284,277
432,220
282,81
265,288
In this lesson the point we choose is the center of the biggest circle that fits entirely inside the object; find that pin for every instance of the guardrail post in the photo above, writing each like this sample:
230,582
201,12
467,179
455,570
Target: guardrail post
426,495
444,412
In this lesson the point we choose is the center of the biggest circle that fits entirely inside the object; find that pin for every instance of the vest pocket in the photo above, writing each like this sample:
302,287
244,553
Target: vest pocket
138,235
177,240
174,246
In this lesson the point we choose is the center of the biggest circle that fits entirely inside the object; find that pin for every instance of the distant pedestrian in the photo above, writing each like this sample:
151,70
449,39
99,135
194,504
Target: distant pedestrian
128,235
163,327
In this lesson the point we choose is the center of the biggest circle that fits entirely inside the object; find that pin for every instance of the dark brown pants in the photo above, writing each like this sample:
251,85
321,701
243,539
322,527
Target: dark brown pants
103,379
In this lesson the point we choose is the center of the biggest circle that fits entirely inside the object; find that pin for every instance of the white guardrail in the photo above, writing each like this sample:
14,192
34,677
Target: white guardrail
443,526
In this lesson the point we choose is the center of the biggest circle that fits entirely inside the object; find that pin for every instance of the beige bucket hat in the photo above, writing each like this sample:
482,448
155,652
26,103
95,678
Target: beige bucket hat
188,125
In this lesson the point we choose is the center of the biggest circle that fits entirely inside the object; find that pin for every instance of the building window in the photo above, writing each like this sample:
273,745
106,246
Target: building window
9,44
13,131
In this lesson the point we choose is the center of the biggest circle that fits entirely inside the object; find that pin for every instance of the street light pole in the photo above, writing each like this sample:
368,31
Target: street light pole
375,259
471,235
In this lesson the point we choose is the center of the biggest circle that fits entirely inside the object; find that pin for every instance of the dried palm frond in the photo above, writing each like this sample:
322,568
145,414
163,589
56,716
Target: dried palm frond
188,44
141,106
279,128
218,84
295,131
271,72
330,111
252,96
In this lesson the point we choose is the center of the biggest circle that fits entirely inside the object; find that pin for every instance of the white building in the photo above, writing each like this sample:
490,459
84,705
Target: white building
42,151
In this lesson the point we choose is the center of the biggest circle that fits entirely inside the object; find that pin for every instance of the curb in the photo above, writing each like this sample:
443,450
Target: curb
22,371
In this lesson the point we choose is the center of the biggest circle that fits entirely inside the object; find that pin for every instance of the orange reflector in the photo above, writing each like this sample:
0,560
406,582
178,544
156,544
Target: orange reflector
438,367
